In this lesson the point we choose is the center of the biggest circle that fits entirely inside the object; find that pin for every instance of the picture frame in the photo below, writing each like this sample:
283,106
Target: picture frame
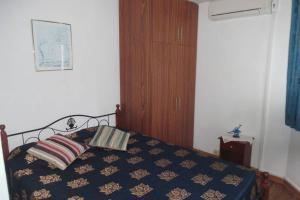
52,45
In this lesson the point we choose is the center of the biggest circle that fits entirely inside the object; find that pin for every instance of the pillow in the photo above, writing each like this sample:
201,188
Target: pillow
58,150
111,138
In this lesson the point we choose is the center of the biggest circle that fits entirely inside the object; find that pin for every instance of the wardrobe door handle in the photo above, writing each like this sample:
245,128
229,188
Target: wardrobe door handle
176,102
179,103
181,34
178,34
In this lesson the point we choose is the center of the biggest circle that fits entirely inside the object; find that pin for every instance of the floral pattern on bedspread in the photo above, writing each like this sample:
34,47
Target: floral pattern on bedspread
149,170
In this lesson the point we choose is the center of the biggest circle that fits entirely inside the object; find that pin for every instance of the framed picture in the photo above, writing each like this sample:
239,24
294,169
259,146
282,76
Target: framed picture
52,43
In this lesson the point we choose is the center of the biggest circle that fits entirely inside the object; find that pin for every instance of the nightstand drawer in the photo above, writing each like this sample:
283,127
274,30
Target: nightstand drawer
237,152
236,157
233,147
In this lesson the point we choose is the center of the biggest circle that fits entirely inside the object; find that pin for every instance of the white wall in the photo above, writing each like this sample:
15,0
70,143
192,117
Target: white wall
277,134
293,161
241,75
231,67
241,78
30,99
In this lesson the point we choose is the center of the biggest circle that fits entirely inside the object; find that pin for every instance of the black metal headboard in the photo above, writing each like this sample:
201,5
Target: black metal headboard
70,124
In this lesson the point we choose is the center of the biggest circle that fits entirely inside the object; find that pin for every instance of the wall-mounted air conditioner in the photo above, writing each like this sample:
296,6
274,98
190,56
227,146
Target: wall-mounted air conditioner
224,9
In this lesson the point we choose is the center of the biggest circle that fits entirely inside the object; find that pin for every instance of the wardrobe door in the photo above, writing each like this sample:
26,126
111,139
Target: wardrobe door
162,102
125,40
158,54
186,75
134,20
134,64
188,22
137,95
173,106
164,15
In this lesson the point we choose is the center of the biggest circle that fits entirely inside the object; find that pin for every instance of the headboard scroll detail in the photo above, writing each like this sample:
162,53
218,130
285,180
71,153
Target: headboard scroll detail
71,123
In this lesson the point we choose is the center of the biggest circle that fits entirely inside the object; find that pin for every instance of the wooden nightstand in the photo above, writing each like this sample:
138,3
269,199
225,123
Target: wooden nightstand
237,150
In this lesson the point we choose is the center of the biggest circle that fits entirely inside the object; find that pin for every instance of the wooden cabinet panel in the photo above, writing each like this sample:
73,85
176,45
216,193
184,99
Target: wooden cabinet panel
185,95
134,101
236,151
124,55
174,21
134,55
173,109
137,95
164,14
173,114
135,19
160,75
188,20
158,62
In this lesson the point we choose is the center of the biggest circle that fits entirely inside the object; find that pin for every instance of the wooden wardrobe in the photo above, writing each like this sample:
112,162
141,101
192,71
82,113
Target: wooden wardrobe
158,43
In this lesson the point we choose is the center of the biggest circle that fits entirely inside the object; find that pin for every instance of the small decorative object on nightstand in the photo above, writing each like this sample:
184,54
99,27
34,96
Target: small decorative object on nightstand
236,131
237,150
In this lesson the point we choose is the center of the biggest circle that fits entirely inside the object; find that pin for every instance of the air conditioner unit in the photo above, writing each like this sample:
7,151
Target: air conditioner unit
224,9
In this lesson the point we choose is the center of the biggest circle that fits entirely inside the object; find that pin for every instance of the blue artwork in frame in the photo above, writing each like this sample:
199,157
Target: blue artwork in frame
52,42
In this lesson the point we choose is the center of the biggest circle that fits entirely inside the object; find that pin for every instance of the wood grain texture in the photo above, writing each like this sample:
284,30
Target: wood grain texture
282,189
174,22
164,15
237,152
279,192
134,62
158,40
160,74
291,190
188,19
186,93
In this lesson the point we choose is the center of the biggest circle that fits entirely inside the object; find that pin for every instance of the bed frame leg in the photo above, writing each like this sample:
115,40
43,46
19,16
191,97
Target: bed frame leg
4,142
265,185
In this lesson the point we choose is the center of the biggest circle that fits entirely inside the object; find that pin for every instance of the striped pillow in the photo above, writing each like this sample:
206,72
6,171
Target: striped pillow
109,137
58,150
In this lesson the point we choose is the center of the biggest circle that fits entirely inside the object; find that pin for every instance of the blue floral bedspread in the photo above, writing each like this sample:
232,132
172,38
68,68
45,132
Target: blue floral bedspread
149,170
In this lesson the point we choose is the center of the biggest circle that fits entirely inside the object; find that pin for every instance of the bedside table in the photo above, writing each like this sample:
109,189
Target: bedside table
236,150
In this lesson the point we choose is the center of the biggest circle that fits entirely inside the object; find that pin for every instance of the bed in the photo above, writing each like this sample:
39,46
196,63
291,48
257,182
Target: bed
150,170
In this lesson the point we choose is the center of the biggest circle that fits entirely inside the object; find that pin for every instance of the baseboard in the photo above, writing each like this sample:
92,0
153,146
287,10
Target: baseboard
204,153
